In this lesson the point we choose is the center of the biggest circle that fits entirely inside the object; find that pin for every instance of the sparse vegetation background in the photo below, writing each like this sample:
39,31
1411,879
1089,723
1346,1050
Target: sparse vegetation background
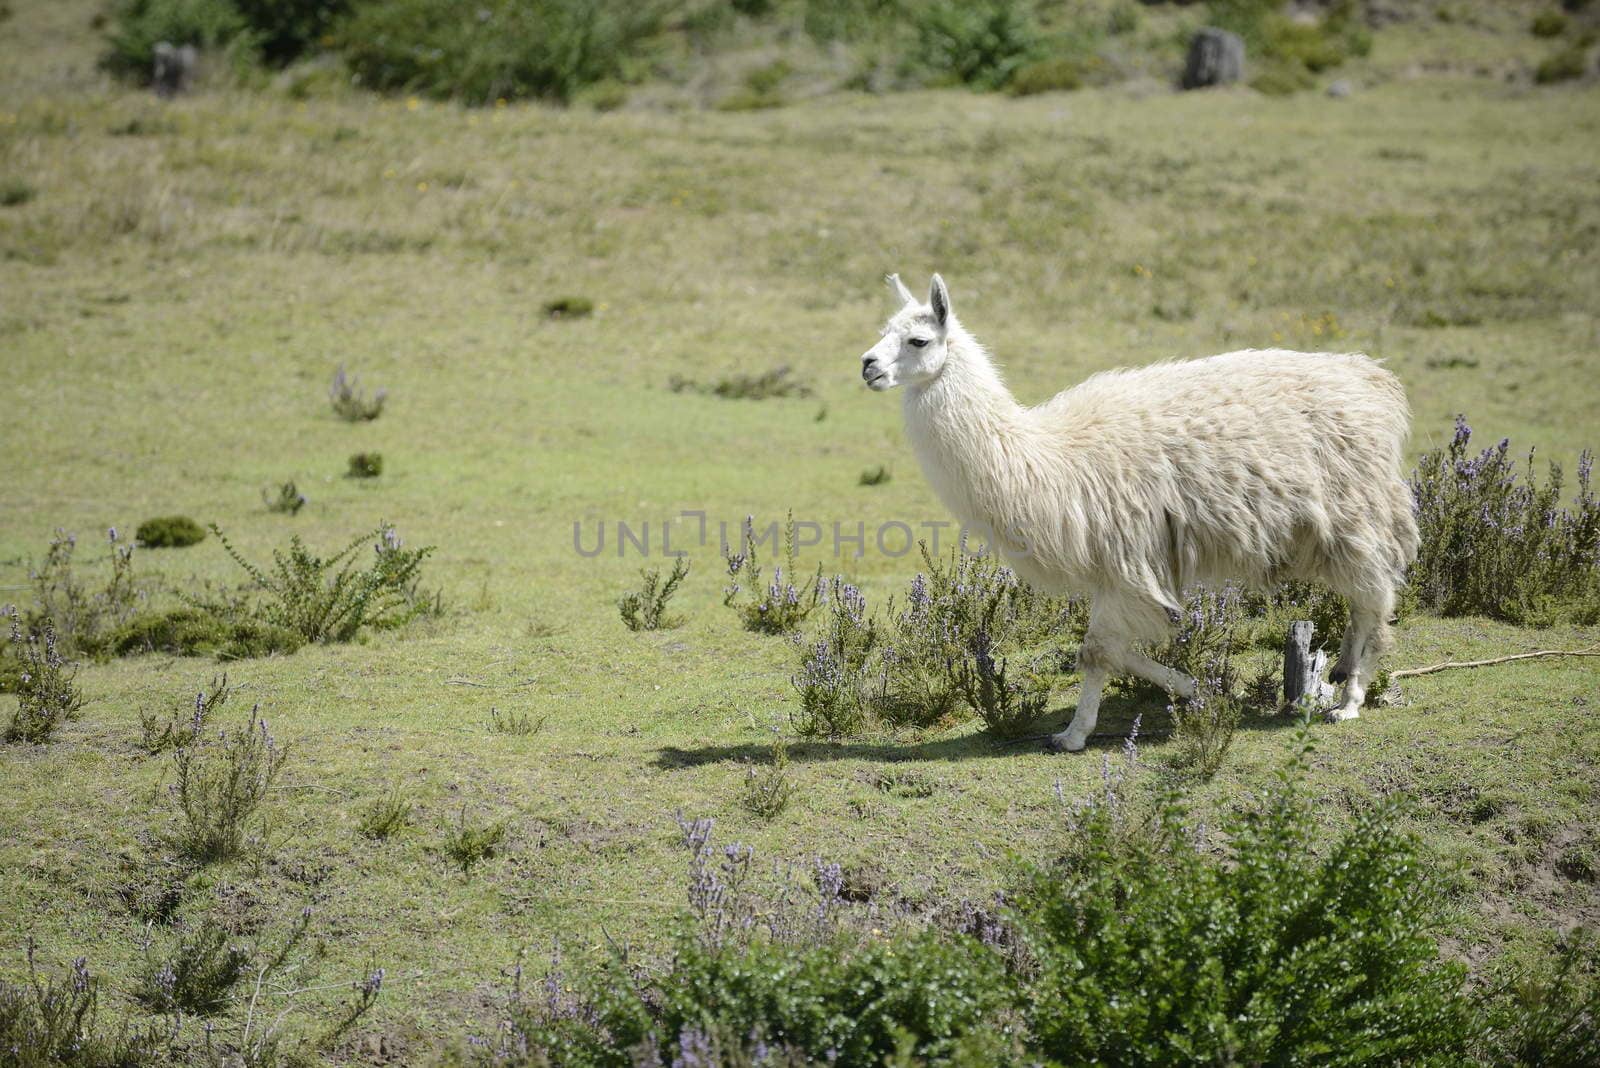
389,272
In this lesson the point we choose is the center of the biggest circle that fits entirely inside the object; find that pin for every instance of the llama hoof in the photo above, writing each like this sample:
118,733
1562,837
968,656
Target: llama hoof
1066,743
1339,715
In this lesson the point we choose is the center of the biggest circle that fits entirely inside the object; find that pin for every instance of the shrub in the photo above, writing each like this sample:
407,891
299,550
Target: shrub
137,26
1282,80
169,532
1548,1014
507,49
938,630
222,629
15,191
521,724
218,785
46,695
330,600
284,30
914,666
50,1023
785,605
1548,24
183,725
1008,706
1267,951
350,401
83,619
784,981
874,476
1503,546
773,383
568,308
1057,74
647,608
197,977
285,498
978,44
366,465
385,815
468,843
1563,66
835,688
767,791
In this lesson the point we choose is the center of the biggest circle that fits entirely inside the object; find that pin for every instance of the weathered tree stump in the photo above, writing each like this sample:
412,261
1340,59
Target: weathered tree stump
1303,669
1216,57
174,67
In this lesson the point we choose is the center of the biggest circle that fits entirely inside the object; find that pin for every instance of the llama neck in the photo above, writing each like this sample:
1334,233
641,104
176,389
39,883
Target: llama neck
967,430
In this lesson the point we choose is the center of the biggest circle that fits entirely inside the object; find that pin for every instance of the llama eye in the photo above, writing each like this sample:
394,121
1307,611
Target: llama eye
919,342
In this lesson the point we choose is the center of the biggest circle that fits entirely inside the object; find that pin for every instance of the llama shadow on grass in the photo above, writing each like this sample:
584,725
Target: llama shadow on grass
1118,713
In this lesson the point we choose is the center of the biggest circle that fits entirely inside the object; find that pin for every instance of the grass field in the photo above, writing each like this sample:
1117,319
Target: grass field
185,278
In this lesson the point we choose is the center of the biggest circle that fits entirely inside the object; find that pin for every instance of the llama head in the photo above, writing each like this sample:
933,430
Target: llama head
915,340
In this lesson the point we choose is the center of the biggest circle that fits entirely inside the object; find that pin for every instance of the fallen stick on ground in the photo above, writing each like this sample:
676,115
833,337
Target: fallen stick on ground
1406,673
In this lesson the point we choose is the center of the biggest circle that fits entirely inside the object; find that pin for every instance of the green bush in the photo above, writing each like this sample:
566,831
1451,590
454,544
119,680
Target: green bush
330,599
1282,81
981,44
15,191
137,26
1548,24
169,531
568,308
1564,66
1059,74
499,49
925,998
646,609
285,30
365,465
198,976
1152,947
223,630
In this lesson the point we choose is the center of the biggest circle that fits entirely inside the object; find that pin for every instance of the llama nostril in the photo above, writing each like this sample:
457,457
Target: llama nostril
868,370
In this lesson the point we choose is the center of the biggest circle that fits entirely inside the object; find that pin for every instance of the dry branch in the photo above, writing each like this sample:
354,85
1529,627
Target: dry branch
1406,673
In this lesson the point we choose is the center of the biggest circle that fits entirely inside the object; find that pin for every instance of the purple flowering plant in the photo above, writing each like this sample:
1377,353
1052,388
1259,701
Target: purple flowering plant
1497,542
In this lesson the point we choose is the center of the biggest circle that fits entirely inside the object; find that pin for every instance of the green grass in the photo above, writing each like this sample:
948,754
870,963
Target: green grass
176,302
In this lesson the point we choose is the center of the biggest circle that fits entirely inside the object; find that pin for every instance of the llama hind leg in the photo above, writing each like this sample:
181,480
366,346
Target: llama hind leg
1169,679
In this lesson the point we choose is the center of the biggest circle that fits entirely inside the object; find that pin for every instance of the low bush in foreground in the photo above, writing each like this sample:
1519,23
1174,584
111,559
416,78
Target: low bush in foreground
50,1023
1149,941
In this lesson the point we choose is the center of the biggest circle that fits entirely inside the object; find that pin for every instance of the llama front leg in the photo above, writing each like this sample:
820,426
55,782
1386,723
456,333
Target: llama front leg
1076,736
1095,662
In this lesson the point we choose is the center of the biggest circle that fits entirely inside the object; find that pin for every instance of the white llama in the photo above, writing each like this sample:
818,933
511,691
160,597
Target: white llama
1257,466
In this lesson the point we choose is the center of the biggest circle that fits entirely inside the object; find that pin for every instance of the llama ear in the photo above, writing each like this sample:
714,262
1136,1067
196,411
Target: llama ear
900,289
939,300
